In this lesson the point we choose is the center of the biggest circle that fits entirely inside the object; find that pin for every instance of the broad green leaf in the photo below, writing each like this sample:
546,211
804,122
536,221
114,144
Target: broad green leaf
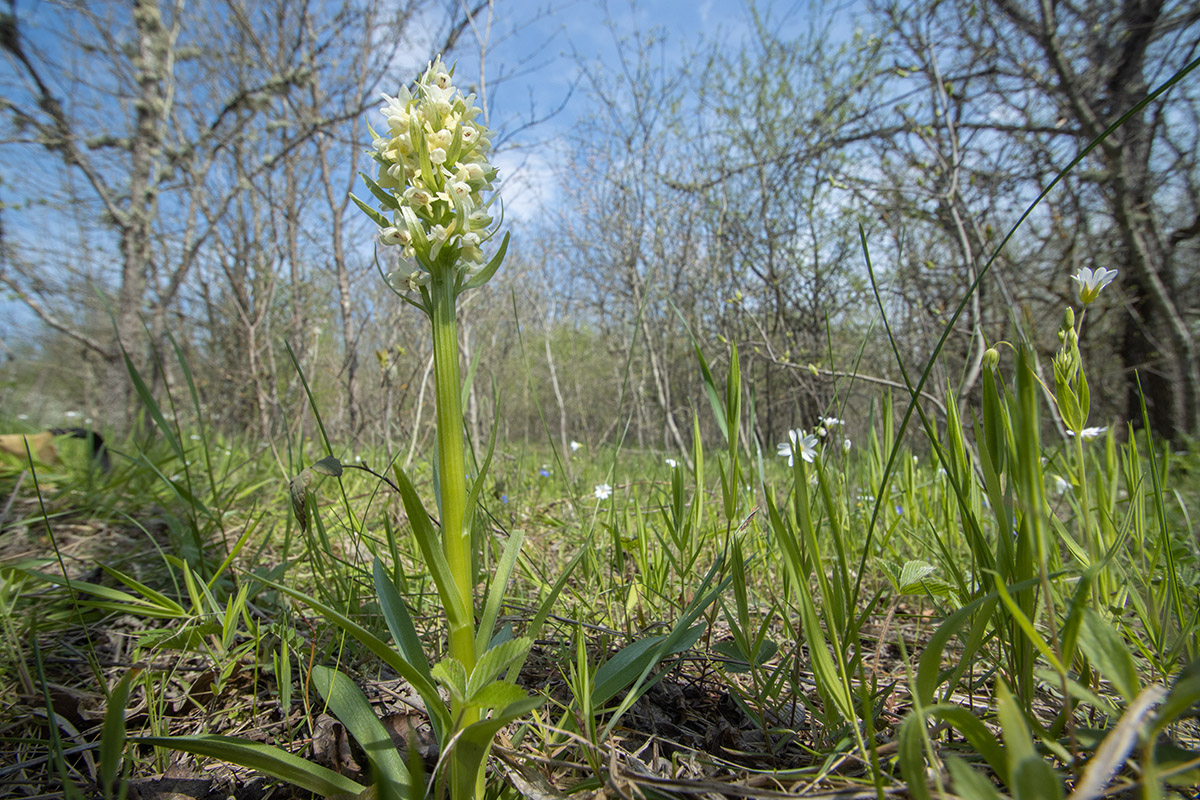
970,784
1109,653
351,708
471,746
1017,738
265,758
422,684
329,465
451,673
400,624
1034,779
500,694
376,217
497,587
912,751
431,549
495,661
634,659
929,665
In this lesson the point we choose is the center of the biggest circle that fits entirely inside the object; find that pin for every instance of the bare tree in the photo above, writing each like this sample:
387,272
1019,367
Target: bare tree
1024,86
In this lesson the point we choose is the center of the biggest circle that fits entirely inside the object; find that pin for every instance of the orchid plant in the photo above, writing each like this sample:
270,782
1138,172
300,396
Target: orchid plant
434,188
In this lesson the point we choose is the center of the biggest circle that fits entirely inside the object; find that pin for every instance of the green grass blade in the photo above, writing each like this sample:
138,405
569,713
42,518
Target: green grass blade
112,734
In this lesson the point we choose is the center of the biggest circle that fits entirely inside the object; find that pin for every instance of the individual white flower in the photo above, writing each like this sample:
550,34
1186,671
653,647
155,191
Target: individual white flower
1088,434
798,444
439,97
394,235
1061,485
602,491
821,431
396,113
418,197
72,414
437,156
832,422
846,445
670,462
1092,281
574,444
22,416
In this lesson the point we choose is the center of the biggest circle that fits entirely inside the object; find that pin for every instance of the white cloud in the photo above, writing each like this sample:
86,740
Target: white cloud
528,185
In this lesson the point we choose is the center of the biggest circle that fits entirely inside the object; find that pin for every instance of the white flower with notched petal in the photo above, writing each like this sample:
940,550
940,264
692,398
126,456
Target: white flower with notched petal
602,491
798,444
575,445
831,422
1088,434
1092,281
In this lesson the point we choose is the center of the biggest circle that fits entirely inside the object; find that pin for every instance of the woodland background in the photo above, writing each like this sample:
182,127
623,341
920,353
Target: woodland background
176,174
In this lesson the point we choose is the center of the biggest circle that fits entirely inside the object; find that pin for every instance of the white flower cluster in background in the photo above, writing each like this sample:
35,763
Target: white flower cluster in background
433,175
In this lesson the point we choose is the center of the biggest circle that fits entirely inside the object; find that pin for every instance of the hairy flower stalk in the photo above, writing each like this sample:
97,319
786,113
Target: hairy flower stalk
432,178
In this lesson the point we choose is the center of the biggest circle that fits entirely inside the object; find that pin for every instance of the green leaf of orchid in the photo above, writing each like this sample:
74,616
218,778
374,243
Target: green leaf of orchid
470,747
265,758
455,146
498,695
451,673
381,194
420,241
429,176
431,549
376,217
495,661
484,275
389,656
351,707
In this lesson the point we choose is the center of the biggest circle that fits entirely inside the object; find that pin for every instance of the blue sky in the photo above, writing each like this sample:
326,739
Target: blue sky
533,69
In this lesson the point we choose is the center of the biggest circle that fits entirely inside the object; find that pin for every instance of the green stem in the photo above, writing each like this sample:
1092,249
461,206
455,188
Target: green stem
456,539
1091,543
